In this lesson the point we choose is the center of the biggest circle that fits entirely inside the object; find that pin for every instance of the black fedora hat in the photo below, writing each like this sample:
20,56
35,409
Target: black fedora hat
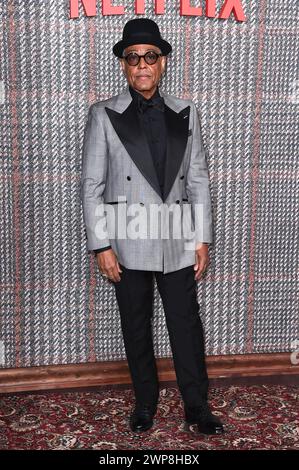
141,31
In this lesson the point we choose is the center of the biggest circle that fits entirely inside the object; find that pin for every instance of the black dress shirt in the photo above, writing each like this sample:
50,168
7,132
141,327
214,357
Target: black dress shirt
152,120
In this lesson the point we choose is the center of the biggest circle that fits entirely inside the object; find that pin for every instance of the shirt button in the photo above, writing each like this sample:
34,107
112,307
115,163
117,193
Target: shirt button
129,178
141,203
177,201
182,177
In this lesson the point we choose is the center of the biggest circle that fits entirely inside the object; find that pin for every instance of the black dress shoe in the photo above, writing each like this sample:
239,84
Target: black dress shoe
142,417
207,423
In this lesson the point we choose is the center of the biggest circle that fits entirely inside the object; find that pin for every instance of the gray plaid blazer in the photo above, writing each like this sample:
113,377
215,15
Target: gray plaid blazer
118,175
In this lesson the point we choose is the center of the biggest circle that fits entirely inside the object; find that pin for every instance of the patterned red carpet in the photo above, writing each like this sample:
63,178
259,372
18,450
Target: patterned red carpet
255,417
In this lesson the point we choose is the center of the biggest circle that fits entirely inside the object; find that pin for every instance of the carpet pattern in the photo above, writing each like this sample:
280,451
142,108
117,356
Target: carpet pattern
255,417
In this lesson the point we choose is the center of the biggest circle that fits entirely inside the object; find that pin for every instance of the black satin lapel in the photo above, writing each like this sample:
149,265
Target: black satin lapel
177,125
128,129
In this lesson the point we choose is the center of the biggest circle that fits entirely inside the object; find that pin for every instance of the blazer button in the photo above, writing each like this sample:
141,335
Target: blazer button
177,201
129,178
182,177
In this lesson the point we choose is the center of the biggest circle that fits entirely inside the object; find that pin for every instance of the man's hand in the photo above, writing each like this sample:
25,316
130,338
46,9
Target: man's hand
202,259
108,265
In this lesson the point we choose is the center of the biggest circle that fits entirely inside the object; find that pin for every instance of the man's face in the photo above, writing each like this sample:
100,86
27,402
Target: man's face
143,77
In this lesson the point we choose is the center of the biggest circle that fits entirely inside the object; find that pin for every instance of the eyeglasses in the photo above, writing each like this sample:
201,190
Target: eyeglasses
150,57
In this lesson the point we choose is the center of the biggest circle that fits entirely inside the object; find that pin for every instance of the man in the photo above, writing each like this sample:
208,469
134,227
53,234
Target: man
144,147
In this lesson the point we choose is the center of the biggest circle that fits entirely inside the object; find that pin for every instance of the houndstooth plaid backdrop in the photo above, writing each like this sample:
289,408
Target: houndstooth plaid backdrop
244,79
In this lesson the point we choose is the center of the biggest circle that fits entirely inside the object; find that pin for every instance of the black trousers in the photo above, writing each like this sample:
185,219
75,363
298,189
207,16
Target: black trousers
178,291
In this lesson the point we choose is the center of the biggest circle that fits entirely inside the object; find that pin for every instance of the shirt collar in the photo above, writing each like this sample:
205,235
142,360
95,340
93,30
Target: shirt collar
138,98
137,95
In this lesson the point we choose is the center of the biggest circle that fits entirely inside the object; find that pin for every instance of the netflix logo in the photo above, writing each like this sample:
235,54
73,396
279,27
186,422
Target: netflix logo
229,7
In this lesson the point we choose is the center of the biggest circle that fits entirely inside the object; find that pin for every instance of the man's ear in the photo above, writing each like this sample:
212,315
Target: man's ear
164,62
122,64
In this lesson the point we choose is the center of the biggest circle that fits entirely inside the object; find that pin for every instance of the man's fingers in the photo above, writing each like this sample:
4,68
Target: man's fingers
200,266
118,267
115,277
108,265
112,272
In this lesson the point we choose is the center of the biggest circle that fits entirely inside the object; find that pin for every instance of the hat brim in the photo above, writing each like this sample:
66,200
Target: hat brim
163,45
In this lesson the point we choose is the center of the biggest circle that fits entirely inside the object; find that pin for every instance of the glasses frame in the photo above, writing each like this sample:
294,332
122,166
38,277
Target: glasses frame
158,54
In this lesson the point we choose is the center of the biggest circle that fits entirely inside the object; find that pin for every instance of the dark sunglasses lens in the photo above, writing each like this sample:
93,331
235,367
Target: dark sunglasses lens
132,59
151,57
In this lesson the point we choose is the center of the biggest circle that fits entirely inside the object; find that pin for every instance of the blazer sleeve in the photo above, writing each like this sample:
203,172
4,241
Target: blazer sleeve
198,185
93,180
